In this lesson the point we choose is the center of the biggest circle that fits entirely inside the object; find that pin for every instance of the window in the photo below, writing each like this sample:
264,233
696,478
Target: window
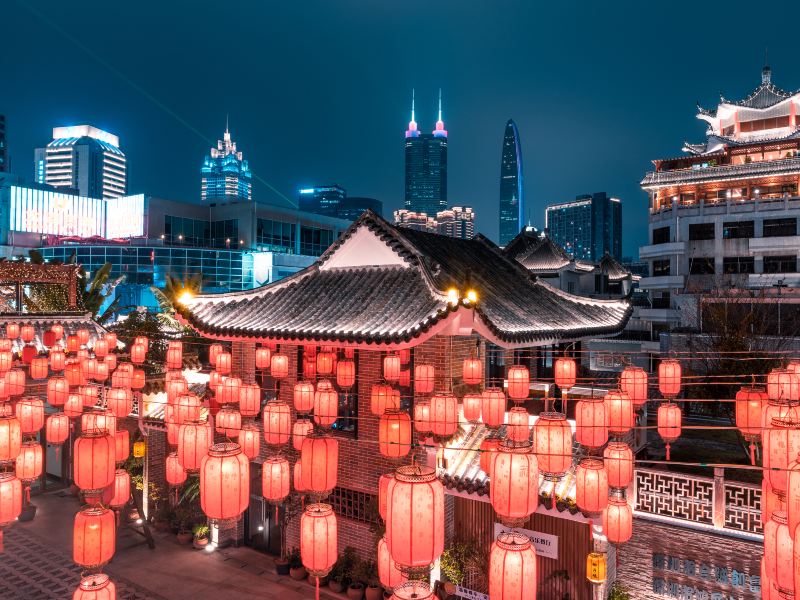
661,300
701,266
660,268
780,227
276,235
314,241
738,229
353,505
780,264
661,235
701,231
738,264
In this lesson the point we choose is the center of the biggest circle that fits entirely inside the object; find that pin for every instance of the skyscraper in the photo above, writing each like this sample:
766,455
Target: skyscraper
426,166
3,145
588,227
457,222
512,202
333,201
225,174
85,159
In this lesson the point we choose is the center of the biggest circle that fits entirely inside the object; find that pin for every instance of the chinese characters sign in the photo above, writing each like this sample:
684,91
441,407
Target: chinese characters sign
700,580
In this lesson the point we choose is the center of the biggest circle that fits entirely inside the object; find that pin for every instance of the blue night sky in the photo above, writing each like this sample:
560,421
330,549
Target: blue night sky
319,91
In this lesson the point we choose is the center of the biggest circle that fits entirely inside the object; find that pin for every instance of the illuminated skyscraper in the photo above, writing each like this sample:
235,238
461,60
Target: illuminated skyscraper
512,203
588,227
225,174
426,166
85,159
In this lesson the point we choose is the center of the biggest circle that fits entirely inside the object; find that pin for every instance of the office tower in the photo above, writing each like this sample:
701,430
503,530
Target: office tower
457,222
512,201
415,220
226,175
588,227
83,159
322,200
426,166
3,145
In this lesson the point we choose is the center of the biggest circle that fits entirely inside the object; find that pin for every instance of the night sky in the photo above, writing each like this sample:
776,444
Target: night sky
320,91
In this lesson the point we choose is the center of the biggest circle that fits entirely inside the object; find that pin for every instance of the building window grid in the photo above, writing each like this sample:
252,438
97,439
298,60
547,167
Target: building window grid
355,505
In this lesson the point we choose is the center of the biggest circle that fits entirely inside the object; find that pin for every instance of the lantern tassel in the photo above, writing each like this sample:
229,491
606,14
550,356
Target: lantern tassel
1,541
317,589
667,451
27,494
58,449
752,453
276,514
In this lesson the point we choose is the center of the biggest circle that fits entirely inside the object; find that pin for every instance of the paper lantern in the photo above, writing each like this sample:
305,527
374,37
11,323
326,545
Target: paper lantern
10,501
250,440
57,360
122,489
4,390
99,419
57,391
388,573
175,355
228,421
111,340
73,375
669,423
391,367
94,461
617,521
12,331
783,386
214,350
56,428
424,379
223,363
618,460
122,445
249,399
228,391
422,416
310,367
29,461
58,331
512,568
139,449
471,406
263,358
781,446
90,395
596,568
300,429
138,354
187,408
415,517
310,350
394,434
493,407
27,333
633,381
669,378
514,492
277,422
413,590
518,382
275,480
472,370
320,459
100,348
6,360
73,343
303,395
138,379
175,474
48,338
93,536
383,488
444,414
517,429
488,450
83,336
297,478
279,366
382,398
28,354
552,444
345,374
224,482
778,554
142,340
326,406
325,362
39,368
194,440
591,486
318,540
30,412
565,372
95,587
177,386
15,382
120,402
591,423
73,407
751,401
619,411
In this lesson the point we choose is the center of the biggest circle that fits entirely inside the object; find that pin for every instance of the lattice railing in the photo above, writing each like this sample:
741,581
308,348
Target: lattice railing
743,507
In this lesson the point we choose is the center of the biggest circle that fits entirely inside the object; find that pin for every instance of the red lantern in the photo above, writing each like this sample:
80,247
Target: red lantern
669,378
27,333
73,375
413,590
391,367
618,459
382,398
326,406
778,554
100,348
618,521
514,492
28,354
424,379
325,362
175,473
94,461
472,371
275,479
15,382
277,422
174,355
6,360
591,423
263,357
388,573
57,428
73,343
250,440
552,444
383,488
309,367
633,381
565,372
783,386
405,356
30,412
512,568
176,387
95,587
89,395
138,354
73,407
143,341
345,374
29,462
300,429
750,405
10,437
303,396
619,410
111,340
781,446
394,434
194,440
518,382
214,350
310,350
517,429
320,459
10,501
669,423
422,416
83,336
279,366
187,408
444,414
99,419
471,406
318,540
39,368
94,536
228,421
249,399
137,379
58,331
415,517
57,359
57,391
224,482
493,407
122,446
489,448
120,402
298,478
591,485
122,489
12,331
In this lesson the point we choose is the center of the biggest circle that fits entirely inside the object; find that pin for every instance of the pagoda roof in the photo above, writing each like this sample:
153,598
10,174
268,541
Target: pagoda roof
764,96
544,258
611,267
525,240
380,285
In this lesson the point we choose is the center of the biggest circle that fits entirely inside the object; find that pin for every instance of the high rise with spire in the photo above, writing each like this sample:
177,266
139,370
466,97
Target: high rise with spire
512,199
426,166
225,174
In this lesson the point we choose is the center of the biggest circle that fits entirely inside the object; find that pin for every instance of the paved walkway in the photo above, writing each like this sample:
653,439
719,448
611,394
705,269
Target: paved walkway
37,565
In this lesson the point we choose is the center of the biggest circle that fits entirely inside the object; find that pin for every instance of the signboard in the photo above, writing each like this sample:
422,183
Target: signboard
546,545
700,580
463,592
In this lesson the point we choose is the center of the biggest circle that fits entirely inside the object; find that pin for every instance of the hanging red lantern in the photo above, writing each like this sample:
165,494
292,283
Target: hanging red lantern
514,492
619,411
138,354
488,450
424,379
57,391
310,367
28,354
58,331
394,434
89,368
39,368
194,440
48,338
472,370
57,428
177,386
174,355
122,489
320,459
669,423
15,382
391,367
187,408
517,428
30,412
633,381
249,399
781,446
383,488
415,517
405,356
300,429
100,348
326,406
228,421
518,382
73,407
142,340
783,386
224,363
263,358
99,419
310,350
591,423
10,437
12,331
345,374
57,359
94,461
73,343
303,395
388,573
277,422
669,378
318,540
618,460
175,473
138,379
471,406
27,333
10,501
122,446
552,444
405,378
275,484
94,536
111,339
422,416
224,482
83,336
591,486
444,414
95,587
383,398
6,361
617,521
565,372
250,440
325,362
778,554
90,395
120,402
512,568
29,462
214,350
279,366
493,407
751,402
297,478
73,375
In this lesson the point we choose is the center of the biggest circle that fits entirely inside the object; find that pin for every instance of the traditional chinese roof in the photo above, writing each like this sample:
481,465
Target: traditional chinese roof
545,257
42,322
611,267
383,285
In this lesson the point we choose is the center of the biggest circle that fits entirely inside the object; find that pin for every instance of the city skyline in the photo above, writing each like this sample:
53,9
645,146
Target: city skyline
622,125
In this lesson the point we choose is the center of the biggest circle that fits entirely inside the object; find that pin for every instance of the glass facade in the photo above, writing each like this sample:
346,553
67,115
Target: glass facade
512,205
182,231
426,174
314,240
277,236
587,228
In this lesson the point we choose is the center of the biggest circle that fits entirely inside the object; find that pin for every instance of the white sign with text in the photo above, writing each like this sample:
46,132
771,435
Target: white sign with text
545,544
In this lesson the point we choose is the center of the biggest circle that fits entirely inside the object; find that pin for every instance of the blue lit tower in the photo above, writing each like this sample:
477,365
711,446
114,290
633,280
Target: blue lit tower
512,199
225,174
426,166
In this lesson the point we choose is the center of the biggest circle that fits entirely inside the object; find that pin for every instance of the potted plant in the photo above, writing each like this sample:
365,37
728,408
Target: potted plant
369,571
200,532
296,569
618,592
358,578
338,578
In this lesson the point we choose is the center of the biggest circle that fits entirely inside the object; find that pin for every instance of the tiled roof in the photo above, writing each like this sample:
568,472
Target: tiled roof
613,268
43,322
398,302
764,96
546,257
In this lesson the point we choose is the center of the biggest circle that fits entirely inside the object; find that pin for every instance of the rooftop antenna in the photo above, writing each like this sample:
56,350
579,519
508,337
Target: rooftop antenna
226,122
